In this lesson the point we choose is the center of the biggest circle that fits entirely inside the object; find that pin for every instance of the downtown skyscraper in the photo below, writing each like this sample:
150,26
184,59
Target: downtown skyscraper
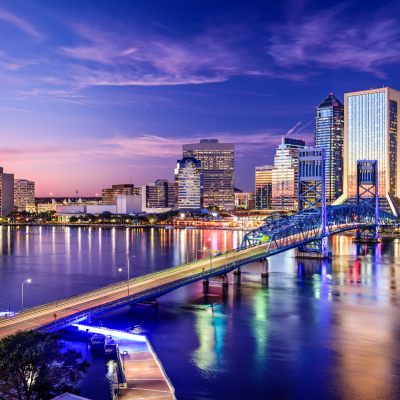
218,163
188,184
371,133
329,124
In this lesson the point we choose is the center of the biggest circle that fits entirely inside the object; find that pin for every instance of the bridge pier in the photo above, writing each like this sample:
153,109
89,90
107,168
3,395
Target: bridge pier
237,275
265,274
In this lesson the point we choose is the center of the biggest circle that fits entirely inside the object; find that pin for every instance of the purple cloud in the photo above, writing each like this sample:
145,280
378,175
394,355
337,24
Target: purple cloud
325,40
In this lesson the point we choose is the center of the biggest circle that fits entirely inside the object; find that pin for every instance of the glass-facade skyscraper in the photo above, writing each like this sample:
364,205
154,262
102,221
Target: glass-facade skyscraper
371,133
189,184
218,164
285,174
263,187
329,125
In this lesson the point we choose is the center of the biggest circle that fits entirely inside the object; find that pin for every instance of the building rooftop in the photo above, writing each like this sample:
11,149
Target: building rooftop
330,101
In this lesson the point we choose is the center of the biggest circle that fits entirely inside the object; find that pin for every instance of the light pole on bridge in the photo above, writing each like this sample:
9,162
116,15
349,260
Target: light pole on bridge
25,281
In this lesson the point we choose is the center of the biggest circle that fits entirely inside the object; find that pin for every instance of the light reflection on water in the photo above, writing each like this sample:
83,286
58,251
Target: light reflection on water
318,329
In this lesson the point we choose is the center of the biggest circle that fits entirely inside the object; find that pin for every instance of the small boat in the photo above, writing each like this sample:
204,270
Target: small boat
169,227
190,227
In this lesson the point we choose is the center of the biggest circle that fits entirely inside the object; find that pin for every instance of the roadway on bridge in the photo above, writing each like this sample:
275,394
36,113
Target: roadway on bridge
40,316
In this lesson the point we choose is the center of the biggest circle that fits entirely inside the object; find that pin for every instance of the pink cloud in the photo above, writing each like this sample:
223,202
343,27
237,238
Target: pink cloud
19,23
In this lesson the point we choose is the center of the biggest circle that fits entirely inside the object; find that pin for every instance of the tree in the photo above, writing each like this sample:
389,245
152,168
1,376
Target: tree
73,219
33,366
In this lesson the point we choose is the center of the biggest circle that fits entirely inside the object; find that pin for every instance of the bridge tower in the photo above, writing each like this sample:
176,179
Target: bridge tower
312,197
367,196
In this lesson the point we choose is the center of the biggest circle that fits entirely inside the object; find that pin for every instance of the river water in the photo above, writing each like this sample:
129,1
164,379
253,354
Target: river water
316,330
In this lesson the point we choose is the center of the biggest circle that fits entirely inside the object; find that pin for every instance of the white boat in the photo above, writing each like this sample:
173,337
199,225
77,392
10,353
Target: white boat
190,227
169,227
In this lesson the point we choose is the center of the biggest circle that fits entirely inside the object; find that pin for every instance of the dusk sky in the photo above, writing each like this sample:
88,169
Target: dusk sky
101,92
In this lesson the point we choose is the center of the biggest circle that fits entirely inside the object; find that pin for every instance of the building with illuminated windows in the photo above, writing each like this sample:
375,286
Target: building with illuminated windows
109,195
263,193
329,124
24,195
371,133
6,193
189,184
285,174
217,163
158,196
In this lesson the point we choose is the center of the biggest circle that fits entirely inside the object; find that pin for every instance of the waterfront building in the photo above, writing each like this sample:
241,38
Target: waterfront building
244,201
263,194
329,125
371,133
24,195
285,174
6,193
158,196
189,184
109,195
217,163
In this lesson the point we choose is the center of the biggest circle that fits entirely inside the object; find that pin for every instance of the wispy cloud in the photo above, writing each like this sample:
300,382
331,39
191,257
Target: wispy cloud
326,40
19,23
13,109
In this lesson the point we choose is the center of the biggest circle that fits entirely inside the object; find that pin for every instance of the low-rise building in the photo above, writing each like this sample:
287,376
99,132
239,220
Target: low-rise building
245,200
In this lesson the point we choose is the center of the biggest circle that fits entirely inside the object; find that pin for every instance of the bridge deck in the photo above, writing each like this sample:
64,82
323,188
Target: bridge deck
139,288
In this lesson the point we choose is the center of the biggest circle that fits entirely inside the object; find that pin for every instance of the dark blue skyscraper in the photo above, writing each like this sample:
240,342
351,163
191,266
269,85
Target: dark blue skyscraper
329,124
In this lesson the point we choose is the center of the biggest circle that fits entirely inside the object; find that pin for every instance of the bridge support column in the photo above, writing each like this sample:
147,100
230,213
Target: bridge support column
237,274
265,274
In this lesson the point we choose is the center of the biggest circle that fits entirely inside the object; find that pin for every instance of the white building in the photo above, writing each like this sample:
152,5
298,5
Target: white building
24,195
189,184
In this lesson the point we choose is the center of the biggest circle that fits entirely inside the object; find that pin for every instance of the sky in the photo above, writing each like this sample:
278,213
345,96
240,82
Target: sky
94,93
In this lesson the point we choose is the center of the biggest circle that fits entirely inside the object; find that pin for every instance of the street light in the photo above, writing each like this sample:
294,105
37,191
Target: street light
26,281
128,274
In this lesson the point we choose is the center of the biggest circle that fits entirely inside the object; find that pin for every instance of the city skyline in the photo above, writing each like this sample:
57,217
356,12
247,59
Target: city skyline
91,90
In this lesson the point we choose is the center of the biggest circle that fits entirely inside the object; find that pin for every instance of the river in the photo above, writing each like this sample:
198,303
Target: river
316,330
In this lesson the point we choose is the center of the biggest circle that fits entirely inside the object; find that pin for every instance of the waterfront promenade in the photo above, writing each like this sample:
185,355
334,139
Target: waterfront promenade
37,317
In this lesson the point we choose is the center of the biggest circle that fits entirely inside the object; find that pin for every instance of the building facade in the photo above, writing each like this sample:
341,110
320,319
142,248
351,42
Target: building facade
109,195
189,184
245,201
285,175
158,195
218,164
24,195
6,193
329,131
263,193
371,133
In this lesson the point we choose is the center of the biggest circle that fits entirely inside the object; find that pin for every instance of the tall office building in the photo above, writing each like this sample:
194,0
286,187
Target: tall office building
285,174
109,195
160,194
189,184
371,133
217,162
329,124
24,195
263,187
6,193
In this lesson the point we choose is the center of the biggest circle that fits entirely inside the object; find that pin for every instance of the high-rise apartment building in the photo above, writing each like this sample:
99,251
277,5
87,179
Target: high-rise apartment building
6,193
24,195
109,195
329,124
371,133
285,174
217,163
160,194
189,184
263,187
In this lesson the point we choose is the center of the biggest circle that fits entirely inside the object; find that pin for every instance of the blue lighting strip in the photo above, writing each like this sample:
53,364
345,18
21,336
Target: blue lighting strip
111,332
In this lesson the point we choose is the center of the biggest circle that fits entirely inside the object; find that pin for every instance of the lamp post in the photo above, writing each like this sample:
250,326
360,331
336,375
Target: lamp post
26,281
128,273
